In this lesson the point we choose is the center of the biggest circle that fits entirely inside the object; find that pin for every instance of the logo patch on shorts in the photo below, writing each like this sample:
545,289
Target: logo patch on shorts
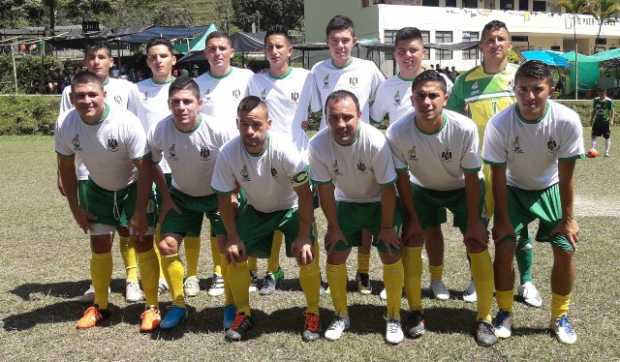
112,144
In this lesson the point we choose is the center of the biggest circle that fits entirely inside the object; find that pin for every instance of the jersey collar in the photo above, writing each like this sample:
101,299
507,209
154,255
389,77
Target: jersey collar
288,72
349,61
169,80
444,120
193,129
104,115
267,142
222,76
534,121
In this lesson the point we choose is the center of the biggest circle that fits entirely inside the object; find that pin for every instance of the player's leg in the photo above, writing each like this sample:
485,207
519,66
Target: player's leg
607,136
127,247
435,249
525,260
191,285
362,277
174,273
393,279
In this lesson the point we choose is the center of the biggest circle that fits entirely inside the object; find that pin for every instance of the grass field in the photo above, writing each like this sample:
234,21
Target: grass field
44,265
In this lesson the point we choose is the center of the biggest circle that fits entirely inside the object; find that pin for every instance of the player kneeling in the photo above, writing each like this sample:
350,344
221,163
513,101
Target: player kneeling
274,176
436,154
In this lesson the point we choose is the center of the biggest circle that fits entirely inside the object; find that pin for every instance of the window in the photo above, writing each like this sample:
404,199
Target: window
520,39
470,4
430,2
506,4
470,36
539,5
443,54
524,5
601,41
557,48
389,36
472,53
443,36
451,3
426,38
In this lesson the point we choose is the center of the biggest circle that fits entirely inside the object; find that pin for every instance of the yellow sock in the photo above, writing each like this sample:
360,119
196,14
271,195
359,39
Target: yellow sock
228,297
482,272
337,279
174,272
273,264
215,254
363,262
504,300
310,280
436,272
412,266
393,279
559,305
127,246
239,285
101,275
192,254
157,237
252,264
149,273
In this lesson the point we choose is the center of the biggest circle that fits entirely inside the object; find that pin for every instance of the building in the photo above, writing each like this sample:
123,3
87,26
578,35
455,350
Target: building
534,24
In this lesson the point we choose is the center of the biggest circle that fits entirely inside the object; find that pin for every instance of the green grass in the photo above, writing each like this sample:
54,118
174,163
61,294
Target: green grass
44,264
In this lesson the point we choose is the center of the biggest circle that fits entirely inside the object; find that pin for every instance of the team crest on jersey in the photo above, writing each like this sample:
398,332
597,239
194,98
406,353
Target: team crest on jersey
236,93
353,81
361,166
118,99
274,172
244,173
552,145
172,152
516,147
263,95
397,98
475,88
336,170
295,96
204,153
446,155
207,95
412,154
76,143
326,82
112,144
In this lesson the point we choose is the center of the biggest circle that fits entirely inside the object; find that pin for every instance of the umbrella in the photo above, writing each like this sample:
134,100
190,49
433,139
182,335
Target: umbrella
548,57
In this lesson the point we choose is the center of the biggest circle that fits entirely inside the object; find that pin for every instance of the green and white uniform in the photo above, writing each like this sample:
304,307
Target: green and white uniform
289,99
360,77
603,111
107,148
394,98
191,157
359,172
268,181
437,163
530,151
221,95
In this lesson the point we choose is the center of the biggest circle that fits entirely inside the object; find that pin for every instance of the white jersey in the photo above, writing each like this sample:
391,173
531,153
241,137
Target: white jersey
360,77
394,98
359,170
267,179
153,107
106,148
221,95
531,150
436,161
288,99
119,93
191,155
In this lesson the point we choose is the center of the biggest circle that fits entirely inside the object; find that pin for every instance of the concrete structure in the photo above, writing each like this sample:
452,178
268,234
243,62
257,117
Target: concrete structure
534,24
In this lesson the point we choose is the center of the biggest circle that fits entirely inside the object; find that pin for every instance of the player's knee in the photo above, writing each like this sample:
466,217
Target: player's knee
337,257
561,255
168,246
390,258
504,250
474,247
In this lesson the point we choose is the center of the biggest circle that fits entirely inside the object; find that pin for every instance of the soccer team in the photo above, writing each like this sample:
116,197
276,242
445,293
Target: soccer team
150,160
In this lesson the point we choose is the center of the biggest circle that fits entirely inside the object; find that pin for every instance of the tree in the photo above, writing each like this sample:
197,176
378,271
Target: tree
268,13
602,10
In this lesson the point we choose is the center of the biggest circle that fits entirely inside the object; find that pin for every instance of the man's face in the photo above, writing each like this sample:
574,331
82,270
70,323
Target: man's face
428,99
160,60
219,52
343,119
496,44
185,106
99,62
532,95
253,127
278,50
88,100
409,54
340,44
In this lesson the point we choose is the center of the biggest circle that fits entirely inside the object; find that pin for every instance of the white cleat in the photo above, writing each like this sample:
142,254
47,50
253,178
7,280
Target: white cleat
133,293
439,290
162,287
503,324
217,286
337,328
530,294
563,330
393,332
469,295
191,286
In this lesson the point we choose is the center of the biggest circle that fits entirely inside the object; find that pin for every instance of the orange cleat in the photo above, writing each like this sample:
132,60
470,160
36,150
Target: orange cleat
149,320
92,317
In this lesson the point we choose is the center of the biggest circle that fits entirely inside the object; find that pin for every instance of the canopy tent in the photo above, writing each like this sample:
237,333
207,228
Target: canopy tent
197,44
167,32
549,57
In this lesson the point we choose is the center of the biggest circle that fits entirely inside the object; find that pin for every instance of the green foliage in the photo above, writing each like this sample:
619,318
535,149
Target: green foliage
28,114
32,73
268,13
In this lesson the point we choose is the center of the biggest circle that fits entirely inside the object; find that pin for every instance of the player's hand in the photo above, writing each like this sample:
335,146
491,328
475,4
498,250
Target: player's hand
502,231
390,239
477,236
332,237
235,251
83,218
305,124
61,189
303,249
570,229
137,224
412,233
167,205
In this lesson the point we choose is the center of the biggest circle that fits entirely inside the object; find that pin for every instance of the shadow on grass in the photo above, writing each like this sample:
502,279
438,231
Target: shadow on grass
70,290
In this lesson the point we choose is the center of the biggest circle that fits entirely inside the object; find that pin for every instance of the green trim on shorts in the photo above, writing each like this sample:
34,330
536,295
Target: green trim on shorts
471,170
576,157
493,163
65,156
525,206
321,182
116,207
189,221
82,199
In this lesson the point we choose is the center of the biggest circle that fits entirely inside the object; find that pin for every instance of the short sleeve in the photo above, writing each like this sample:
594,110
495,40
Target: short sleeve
319,170
377,109
65,100
60,146
134,103
315,102
471,158
383,165
136,140
223,179
493,148
400,161
571,145
154,144
377,79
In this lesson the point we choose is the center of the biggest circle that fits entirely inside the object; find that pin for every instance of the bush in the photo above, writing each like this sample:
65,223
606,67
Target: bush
21,115
33,73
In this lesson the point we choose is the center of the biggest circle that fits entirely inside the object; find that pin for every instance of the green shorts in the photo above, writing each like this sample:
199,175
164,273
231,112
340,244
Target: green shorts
115,208
256,229
431,205
82,187
546,206
353,217
189,221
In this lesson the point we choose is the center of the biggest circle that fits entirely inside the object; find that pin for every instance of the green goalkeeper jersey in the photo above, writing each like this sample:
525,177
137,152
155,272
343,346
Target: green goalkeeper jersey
603,108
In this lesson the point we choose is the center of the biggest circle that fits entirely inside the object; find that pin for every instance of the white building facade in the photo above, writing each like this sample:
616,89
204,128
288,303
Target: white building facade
533,24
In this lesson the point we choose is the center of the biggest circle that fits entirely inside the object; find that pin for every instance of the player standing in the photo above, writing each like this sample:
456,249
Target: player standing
602,117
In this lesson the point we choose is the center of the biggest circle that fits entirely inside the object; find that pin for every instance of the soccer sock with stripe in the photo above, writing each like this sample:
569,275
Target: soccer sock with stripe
149,273
363,262
525,257
337,279
192,254
101,275
239,285
436,272
273,264
559,305
607,145
127,246
215,254
174,272
252,264
393,279
412,265
228,297
310,280
482,273
504,300
157,238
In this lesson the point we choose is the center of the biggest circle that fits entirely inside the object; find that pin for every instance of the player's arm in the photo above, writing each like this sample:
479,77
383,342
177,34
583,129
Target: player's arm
66,174
235,250
568,226
412,232
138,222
303,243
593,112
502,228
388,205
476,235
328,204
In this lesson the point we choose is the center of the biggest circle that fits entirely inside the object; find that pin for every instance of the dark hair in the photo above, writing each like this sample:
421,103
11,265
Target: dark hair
85,77
159,41
534,69
429,76
340,95
218,34
249,103
408,33
493,25
339,22
277,30
184,83
93,47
